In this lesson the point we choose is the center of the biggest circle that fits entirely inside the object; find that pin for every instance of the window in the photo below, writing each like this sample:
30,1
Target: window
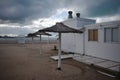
108,35
111,35
93,35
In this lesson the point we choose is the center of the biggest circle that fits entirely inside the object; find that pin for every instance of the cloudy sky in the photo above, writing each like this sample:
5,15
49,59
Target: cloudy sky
20,17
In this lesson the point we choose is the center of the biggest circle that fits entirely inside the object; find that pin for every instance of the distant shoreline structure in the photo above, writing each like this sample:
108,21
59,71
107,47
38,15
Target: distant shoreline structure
25,40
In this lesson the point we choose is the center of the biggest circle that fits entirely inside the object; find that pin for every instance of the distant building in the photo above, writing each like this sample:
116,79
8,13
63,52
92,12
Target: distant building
99,39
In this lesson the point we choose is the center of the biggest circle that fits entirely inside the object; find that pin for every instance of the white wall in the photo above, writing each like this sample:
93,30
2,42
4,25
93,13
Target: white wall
68,39
81,22
100,48
73,42
79,43
71,23
68,42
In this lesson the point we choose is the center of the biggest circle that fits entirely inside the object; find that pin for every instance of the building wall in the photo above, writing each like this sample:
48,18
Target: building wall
73,42
79,43
81,22
67,39
68,42
106,50
71,23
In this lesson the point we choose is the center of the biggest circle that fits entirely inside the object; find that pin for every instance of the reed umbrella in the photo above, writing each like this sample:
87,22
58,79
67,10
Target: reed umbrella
32,35
60,28
41,33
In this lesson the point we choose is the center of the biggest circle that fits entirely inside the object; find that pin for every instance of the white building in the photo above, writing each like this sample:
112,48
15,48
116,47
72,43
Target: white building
99,39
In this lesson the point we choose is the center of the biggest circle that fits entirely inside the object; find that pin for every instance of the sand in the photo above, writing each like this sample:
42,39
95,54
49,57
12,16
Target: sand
25,62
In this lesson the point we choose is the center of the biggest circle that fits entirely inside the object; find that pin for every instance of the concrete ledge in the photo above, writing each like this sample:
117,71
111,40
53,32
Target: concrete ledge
65,56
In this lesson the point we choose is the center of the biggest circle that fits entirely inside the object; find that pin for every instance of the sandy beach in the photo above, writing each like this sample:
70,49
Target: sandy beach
25,62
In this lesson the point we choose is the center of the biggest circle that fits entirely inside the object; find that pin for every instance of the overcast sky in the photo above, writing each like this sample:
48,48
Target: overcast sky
20,17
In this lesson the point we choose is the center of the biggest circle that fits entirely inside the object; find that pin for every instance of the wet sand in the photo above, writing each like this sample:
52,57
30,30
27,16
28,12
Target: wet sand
25,62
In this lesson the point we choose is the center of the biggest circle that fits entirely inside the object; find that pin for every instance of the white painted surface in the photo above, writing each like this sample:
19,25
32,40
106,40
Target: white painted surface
88,59
106,50
112,65
68,42
59,51
106,74
74,42
116,68
62,56
108,64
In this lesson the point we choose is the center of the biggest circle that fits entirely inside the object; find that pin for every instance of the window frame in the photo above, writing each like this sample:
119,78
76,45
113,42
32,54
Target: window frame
111,34
92,35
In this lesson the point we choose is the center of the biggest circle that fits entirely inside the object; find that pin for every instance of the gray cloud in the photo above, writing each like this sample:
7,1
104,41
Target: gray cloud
20,10
23,12
105,8
16,30
94,8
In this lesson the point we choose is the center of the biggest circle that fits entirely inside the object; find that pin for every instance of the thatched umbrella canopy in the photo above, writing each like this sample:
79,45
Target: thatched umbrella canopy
41,33
31,35
60,28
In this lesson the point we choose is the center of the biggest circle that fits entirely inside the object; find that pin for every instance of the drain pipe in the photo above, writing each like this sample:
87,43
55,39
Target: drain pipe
118,74
83,40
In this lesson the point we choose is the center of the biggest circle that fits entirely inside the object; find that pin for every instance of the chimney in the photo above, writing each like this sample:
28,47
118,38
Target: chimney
70,14
78,15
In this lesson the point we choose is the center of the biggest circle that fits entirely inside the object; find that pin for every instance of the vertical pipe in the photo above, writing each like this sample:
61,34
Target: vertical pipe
59,52
84,42
74,51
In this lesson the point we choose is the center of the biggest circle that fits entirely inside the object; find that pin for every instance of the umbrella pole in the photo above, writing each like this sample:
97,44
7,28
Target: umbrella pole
48,42
40,45
32,40
59,52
